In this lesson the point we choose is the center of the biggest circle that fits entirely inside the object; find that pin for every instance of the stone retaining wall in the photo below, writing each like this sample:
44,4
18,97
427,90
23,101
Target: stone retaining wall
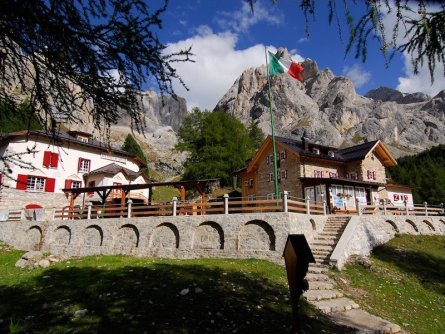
364,233
235,235
239,236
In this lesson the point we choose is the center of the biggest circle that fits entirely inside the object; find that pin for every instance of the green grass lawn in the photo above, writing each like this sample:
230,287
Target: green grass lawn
142,295
405,284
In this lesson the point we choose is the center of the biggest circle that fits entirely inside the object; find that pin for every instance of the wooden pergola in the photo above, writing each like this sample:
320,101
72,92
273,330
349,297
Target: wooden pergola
104,191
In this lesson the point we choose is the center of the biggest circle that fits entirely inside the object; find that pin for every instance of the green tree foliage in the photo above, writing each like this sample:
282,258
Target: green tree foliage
16,119
256,134
218,143
425,172
132,146
70,56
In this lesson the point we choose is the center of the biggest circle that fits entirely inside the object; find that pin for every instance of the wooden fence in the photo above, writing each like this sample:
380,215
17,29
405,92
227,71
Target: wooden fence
225,205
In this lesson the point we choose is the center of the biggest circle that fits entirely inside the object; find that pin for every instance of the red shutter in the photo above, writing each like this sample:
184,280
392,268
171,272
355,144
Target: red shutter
22,181
54,159
46,159
78,164
68,183
50,185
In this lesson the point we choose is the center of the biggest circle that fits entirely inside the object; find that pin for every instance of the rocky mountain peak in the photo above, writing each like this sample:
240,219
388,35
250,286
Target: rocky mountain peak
328,108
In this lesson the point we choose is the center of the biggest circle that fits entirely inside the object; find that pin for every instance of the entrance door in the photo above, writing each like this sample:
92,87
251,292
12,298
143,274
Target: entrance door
349,197
309,192
337,199
360,193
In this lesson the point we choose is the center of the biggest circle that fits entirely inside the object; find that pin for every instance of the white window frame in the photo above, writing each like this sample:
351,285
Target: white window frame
35,183
76,184
84,165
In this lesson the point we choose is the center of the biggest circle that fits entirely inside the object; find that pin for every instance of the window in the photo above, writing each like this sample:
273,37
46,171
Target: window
372,175
76,184
331,154
270,178
318,173
35,183
117,190
251,183
282,155
316,150
82,139
84,165
50,159
333,174
284,174
73,184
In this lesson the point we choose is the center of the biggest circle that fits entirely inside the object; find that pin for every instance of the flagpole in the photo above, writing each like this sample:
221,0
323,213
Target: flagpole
272,124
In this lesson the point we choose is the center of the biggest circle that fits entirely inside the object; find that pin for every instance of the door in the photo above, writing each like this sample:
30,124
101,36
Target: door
309,192
337,199
349,197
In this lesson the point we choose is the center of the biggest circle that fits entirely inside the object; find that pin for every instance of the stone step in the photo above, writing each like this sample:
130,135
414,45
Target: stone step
323,260
324,242
336,305
316,277
321,285
317,295
322,247
336,224
317,270
321,252
318,265
333,228
364,322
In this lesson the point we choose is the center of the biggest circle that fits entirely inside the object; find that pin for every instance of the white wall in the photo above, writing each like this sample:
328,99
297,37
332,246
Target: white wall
69,154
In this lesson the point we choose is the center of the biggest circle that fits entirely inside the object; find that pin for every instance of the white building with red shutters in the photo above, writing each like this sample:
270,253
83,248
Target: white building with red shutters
44,164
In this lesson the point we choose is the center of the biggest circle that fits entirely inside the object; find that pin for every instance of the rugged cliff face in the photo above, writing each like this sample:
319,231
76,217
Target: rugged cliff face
328,108
162,120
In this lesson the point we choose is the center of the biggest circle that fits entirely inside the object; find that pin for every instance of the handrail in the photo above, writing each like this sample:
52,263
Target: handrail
224,205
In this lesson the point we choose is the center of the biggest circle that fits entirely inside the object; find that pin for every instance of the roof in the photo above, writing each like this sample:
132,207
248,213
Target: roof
62,136
353,153
114,169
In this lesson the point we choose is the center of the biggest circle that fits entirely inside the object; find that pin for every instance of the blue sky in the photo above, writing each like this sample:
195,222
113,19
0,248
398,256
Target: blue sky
227,38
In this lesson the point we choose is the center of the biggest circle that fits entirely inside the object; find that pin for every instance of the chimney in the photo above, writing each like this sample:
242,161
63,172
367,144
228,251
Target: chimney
305,141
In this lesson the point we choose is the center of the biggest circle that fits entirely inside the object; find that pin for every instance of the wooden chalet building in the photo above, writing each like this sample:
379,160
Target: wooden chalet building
305,169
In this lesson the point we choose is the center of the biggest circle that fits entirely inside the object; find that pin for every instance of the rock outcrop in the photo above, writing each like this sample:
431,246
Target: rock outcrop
328,108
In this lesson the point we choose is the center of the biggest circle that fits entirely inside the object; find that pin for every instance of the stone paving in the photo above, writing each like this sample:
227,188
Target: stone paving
322,293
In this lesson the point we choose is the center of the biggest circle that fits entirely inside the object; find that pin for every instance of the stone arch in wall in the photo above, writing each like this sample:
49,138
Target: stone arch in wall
410,222
62,236
394,226
165,235
33,238
257,235
429,225
93,236
127,239
208,235
314,226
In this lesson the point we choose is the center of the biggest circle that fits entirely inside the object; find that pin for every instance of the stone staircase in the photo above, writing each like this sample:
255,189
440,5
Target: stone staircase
322,293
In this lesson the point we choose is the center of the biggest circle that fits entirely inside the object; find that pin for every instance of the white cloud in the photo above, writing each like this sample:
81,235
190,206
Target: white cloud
241,20
218,64
412,83
357,74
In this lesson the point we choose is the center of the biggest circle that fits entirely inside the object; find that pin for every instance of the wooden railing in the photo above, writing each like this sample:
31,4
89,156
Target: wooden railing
406,210
225,205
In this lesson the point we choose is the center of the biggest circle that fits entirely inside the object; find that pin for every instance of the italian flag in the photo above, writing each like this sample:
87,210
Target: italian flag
279,65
